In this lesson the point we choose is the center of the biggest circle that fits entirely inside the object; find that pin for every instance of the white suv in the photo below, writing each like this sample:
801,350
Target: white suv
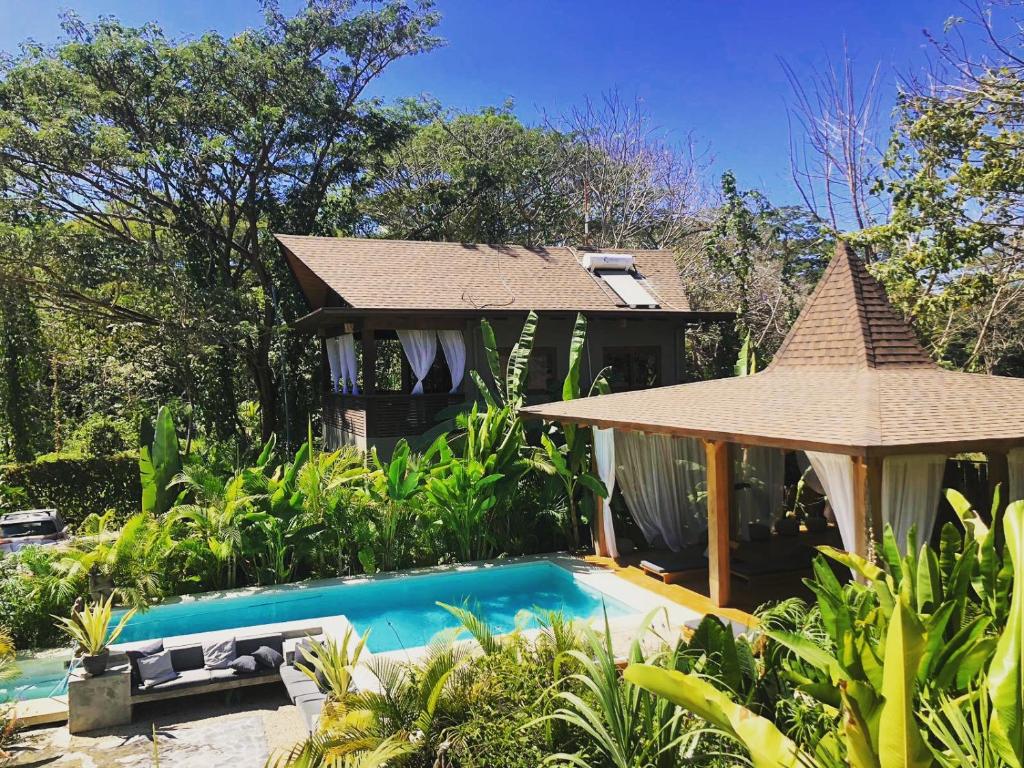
31,528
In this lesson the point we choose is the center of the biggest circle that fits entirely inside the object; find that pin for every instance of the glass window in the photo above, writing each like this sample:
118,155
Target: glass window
630,368
540,379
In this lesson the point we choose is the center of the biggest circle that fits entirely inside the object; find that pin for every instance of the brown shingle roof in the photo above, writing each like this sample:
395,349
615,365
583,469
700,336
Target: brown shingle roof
849,378
413,275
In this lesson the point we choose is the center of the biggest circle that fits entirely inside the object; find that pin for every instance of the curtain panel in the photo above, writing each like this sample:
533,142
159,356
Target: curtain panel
349,369
835,473
1015,463
420,349
911,489
454,347
663,480
604,458
761,474
334,362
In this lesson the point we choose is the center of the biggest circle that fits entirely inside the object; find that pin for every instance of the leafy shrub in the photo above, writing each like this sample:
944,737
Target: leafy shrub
78,485
101,435
25,615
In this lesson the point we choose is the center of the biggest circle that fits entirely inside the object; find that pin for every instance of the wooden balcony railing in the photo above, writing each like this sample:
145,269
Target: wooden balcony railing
386,414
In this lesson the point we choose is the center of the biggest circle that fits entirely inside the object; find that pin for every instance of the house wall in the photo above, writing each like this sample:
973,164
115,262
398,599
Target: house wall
602,333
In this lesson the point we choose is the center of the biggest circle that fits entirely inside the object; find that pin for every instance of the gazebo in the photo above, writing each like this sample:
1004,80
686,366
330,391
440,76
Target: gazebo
850,386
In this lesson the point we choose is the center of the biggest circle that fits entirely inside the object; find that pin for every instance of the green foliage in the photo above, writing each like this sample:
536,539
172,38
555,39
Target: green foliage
461,500
78,486
90,627
159,462
100,435
24,389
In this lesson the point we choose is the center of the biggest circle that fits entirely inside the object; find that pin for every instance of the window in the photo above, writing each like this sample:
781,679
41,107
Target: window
543,372
633,367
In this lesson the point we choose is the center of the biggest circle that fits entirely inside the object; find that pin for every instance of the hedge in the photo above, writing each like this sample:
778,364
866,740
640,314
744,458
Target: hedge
77,485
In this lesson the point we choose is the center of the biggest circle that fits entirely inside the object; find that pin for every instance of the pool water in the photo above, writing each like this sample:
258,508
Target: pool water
37,678
399,612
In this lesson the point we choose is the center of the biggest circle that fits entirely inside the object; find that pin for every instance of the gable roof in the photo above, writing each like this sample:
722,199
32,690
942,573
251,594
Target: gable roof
405,275
849,378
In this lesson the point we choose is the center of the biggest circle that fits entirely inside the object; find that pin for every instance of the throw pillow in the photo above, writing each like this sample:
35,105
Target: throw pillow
219,654
268,657
140,652
244,664
156,669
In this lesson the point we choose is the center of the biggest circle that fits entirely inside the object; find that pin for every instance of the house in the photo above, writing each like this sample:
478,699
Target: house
399,322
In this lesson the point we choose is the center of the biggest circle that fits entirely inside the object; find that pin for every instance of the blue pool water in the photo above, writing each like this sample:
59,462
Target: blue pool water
397,613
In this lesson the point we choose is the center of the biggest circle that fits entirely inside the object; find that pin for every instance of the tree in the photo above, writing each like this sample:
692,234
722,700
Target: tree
954,258
481,178
189,154
24,392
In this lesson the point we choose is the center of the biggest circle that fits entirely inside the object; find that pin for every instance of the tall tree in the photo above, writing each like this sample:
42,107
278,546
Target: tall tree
24,381
191,153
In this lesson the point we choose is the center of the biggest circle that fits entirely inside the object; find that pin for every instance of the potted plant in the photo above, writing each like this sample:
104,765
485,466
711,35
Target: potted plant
90,629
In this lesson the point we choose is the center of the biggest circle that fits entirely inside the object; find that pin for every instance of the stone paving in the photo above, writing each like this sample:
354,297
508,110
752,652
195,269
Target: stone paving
205,731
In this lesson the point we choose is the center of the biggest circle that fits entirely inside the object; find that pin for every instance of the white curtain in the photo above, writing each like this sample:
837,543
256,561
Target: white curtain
604,457
420,349
454,347
334,361
911,488
835,472
349,369
1015,463
762,473
661,480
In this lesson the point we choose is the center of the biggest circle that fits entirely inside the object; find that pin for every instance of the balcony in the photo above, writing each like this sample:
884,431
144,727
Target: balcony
357,419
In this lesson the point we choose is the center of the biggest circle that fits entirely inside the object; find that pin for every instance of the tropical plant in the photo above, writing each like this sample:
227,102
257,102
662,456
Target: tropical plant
129,564
460,502
8,668
510,384
330,663
627,726
90,627
159,462
215,520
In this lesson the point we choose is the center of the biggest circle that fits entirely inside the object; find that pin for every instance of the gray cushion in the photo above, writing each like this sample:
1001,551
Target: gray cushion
218,654
268,657
247,646
302,688
155,669
290,674
187,657
136,651
218,675
244,664
310,711
186,679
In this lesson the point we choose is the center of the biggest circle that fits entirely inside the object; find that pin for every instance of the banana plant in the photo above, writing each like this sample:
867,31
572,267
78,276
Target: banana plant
159,462
510,384
1006,672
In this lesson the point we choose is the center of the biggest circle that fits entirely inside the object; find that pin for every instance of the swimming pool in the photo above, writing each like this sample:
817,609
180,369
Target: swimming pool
398,612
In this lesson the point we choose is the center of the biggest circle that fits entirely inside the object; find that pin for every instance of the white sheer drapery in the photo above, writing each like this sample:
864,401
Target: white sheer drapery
454,347
349,368
1015,464
835,473
420,349
761,472
660,478
911,488
334,361
604,458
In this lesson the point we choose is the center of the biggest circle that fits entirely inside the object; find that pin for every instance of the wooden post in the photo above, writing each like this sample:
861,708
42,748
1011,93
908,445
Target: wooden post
998,475
861,511
873,481
369,361
719,505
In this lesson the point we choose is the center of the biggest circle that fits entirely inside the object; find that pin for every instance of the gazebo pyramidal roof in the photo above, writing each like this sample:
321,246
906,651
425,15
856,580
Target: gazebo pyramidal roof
849,378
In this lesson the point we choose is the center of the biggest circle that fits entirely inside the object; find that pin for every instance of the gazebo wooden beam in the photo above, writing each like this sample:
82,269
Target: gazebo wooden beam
998,475
719,477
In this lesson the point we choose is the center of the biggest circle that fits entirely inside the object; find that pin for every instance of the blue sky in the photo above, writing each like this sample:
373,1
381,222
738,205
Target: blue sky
709,67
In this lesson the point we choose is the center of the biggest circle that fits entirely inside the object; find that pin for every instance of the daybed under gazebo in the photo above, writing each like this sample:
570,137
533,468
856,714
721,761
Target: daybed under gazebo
851,387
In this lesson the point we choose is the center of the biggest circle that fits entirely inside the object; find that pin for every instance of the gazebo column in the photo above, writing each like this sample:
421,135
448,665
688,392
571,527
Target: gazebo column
998,475
719,474
867,503
369,361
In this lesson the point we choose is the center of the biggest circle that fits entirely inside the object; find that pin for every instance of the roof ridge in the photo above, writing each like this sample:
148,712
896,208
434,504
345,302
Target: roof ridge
583,248
848,320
